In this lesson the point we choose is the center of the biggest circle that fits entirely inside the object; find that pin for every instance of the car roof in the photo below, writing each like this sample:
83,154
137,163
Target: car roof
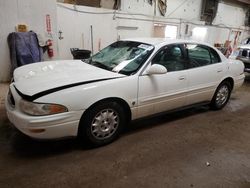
162,41
159,42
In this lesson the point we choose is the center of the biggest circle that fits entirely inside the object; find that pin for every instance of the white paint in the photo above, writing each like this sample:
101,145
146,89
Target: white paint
228,15
147,94
217,35
135,14
171,31
30,12
140,15
189,9
199,33
145,28
76,28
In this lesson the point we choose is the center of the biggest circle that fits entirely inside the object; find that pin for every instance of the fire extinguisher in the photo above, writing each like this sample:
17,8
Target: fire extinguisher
50,48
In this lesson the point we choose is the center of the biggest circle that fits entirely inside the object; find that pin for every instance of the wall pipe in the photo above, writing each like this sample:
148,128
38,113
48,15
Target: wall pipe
151,20
92,42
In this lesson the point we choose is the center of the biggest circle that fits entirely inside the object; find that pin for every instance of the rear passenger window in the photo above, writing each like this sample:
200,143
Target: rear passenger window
214,56
198,55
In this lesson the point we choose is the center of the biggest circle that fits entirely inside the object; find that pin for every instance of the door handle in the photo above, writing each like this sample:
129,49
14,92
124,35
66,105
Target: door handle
220,70
182,78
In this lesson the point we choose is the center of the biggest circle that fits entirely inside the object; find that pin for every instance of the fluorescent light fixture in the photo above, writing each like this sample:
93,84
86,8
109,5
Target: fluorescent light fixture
159,25
126,28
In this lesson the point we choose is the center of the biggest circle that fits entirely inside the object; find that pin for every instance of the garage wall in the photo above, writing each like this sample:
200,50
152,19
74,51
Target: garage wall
189,10
135,19
30,12
228,15
75,25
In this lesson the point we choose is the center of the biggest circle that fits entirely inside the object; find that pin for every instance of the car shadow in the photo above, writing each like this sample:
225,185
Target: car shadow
24,146
247,79
163,119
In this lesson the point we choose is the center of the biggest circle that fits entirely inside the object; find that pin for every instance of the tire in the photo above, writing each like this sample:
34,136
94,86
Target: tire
102,124
221,96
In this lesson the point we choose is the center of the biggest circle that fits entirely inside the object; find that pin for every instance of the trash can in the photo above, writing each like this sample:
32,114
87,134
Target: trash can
80,53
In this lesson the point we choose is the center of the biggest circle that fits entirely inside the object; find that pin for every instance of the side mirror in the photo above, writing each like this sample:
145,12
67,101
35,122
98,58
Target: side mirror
156,69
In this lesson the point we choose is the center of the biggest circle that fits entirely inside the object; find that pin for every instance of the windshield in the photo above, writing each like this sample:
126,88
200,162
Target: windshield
124,57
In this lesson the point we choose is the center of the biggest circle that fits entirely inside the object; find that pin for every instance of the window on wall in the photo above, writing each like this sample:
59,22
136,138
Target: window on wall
159,30
199,33
171,31
165,31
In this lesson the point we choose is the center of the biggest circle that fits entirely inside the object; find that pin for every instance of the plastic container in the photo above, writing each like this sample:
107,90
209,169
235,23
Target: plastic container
80,53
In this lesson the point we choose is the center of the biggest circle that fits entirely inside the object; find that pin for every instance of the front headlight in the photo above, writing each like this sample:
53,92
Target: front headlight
40,109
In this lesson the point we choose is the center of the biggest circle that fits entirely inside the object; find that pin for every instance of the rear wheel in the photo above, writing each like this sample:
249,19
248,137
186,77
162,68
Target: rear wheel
102,123
221,96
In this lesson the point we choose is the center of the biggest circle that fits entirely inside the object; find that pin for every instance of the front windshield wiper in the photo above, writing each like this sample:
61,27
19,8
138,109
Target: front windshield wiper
98,64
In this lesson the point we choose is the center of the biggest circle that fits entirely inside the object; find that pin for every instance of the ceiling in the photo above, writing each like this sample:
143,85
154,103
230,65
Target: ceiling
244,1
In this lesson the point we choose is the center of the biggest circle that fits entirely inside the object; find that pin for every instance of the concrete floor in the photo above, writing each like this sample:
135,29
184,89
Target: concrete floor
167,151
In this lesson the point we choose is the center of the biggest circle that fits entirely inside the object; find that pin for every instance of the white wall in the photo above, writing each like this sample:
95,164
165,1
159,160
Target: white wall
189,9
228,15
135,19
75,26
30,12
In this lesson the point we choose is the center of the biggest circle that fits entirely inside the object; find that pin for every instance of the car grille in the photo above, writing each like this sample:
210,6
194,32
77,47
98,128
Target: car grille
245,53
247,65
11,99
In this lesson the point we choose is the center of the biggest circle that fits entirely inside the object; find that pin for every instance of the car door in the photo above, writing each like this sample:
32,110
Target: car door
205,71
162,92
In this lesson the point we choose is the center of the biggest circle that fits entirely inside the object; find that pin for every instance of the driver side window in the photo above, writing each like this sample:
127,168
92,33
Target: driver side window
170,57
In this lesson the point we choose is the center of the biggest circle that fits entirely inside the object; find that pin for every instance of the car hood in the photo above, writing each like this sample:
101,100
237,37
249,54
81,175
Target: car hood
38,77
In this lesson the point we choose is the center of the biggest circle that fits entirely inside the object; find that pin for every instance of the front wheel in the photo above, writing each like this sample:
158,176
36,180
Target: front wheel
102,123
221,96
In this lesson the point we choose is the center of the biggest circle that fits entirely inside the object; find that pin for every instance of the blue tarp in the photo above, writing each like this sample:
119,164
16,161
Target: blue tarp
24,48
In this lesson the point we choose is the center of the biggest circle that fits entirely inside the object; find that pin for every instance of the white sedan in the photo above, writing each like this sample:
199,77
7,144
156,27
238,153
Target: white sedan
130,79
